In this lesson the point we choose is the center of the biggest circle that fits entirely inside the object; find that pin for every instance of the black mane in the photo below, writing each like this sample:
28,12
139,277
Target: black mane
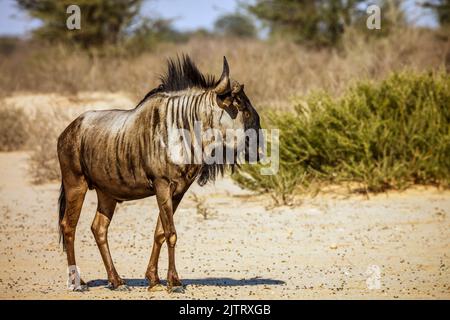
182,73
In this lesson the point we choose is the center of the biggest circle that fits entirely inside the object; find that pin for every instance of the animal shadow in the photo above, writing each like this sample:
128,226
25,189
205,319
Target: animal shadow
220,282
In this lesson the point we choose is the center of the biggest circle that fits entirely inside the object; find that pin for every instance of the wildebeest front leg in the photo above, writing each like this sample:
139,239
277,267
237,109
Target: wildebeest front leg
152,270
159,238
105,212
164,192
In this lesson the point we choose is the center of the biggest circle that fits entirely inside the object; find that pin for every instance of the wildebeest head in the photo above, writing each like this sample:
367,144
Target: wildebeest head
236,115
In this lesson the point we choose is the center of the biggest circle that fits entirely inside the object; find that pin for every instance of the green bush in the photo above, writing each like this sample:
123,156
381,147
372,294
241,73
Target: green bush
386,135
14,126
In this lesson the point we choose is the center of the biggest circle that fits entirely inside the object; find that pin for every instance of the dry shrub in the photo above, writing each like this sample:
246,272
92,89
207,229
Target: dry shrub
272,71
43,162
14,125
203,210
46,116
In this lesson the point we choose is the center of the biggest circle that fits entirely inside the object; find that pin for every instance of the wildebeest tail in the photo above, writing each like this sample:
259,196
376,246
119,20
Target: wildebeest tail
62,209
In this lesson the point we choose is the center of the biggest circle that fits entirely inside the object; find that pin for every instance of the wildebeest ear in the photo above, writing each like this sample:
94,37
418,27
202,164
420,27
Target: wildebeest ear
236,88
223,85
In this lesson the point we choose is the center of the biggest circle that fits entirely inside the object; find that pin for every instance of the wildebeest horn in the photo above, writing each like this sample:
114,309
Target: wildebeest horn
223,85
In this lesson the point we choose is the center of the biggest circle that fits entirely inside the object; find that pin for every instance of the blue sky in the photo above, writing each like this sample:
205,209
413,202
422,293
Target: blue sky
189,15
186,14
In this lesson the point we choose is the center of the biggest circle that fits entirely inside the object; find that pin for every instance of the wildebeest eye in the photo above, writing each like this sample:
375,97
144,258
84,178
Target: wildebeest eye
237,105
246,114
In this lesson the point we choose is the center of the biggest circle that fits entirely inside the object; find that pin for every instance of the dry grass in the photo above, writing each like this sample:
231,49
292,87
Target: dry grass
14,126
43,117
43,161
37,132
202,208
272,71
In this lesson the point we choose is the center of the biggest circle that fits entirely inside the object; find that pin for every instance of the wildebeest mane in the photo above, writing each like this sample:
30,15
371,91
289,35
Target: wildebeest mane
182,73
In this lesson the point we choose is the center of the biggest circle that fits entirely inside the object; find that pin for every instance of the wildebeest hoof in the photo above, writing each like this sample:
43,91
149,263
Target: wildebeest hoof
176,289
80,288
115,284
122,287
156,287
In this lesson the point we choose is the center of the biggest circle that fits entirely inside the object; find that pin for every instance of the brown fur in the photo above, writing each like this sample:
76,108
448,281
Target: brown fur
123,155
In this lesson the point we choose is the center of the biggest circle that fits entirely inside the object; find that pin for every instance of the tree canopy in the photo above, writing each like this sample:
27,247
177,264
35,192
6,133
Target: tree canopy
316,22
441,9
235,24
102,21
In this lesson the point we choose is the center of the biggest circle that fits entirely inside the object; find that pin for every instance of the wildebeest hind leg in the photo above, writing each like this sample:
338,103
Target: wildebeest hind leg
74,191
105,212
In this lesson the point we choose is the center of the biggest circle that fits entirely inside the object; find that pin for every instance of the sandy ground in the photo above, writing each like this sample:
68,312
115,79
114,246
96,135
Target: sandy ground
394,245
327,247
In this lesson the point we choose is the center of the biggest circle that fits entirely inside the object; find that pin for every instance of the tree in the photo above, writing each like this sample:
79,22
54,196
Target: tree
102,21
316,22
150,32
441,9
235,24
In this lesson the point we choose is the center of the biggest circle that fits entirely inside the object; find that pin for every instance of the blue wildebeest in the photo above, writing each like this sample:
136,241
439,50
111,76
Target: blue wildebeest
128,154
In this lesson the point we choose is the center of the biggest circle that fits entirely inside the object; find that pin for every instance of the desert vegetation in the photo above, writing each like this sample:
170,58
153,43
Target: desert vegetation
379,135
273,71
352,106
14,132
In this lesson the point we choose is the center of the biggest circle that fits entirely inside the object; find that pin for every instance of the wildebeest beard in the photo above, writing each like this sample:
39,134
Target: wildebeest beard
210,171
